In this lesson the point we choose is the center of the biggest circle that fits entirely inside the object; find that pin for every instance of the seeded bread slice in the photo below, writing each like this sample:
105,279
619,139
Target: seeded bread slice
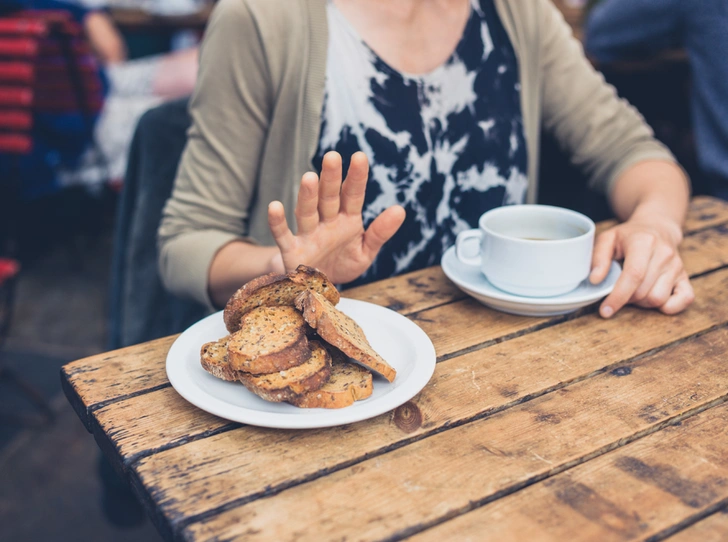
291,383
348,383
274,290
271,339
214,359
340,331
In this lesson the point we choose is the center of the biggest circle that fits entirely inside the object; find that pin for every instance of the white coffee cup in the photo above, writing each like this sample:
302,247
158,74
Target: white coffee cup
530,250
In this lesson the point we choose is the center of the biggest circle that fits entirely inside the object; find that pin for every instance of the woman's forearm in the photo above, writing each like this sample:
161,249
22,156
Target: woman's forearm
652,188
235,264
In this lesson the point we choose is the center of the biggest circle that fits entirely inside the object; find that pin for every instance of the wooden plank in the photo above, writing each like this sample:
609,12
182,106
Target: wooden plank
141,424
451,326
639,491
99,379
462,389
714,528
705,212
409,293
95,380
427,482
705,250
128,422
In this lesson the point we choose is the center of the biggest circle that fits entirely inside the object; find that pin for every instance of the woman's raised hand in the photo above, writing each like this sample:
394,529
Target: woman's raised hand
331,235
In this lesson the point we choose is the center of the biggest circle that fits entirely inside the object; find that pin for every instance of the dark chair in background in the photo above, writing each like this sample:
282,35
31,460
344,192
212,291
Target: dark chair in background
141,309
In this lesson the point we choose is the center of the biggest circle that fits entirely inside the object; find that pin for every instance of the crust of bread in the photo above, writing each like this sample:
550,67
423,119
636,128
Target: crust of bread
285,385
274,290
271,339
214,359
348,383
340,331
315,280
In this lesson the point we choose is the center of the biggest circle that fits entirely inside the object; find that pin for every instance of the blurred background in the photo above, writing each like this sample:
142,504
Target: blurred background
76,79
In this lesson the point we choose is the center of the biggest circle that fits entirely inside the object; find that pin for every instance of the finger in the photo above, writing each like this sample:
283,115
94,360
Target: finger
354,189
662,288
382,229
637,259
602,256
307,217
682,296
279,226
664,262
330,187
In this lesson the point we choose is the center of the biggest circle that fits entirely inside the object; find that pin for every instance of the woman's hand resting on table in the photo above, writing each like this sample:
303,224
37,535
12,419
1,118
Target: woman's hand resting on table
653,275
331,233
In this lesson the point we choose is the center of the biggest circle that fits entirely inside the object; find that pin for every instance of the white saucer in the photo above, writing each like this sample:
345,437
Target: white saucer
471,281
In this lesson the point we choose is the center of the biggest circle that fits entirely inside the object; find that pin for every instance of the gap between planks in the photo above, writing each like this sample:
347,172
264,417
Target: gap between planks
134,457
276,489
700,207
388,472
648,489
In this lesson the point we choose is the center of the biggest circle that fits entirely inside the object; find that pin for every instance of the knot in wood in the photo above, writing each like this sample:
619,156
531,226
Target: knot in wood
408,417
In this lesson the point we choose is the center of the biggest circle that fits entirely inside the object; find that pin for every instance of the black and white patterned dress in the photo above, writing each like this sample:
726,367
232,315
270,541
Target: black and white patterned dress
447,145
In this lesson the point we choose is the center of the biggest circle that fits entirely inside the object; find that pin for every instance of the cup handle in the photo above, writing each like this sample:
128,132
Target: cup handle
463,238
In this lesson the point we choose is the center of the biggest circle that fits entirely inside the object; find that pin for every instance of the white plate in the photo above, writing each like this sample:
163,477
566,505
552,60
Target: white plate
471,281
398,340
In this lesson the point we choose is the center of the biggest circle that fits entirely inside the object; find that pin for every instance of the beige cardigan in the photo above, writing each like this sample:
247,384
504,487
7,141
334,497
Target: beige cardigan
256,114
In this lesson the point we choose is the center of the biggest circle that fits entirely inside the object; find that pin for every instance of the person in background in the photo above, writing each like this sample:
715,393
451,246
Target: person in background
625,29
134,87
437,109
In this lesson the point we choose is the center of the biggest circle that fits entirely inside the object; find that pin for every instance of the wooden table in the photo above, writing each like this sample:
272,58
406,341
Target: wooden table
565,428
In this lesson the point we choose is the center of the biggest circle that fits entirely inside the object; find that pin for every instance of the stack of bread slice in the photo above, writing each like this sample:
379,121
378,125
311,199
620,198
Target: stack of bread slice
288,342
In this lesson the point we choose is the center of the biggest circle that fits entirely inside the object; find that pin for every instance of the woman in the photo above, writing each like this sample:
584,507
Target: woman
447,99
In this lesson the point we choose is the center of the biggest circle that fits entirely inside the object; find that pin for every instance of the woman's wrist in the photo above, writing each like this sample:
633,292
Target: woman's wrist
658,216
237,263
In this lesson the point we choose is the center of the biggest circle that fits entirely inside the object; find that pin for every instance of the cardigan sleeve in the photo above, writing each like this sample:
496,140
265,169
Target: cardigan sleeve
215,184
602,133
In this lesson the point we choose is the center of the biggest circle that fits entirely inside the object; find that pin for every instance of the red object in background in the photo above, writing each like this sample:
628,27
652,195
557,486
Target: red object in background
23,27
12,119
46,66
19,47
15,143
9,269
17,72
16,96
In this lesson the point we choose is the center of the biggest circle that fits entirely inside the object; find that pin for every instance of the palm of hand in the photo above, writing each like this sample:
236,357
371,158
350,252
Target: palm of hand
335,247
331,235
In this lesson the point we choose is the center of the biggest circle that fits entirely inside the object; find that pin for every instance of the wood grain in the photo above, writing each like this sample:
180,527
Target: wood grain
146,422
409,293
99,379
714,528
705,250
96,380
445,475
461,389
633,493
705,212
129,421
